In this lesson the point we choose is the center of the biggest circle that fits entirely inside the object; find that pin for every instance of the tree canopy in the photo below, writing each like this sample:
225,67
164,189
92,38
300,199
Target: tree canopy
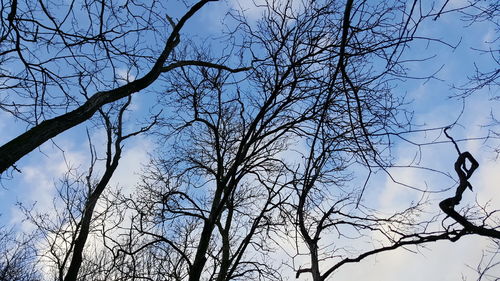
277,126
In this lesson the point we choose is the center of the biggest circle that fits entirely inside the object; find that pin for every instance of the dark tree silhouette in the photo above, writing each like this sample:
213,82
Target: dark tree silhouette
448,205
112,36
250,161
81,197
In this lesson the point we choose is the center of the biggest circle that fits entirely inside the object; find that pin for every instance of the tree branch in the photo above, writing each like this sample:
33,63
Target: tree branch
448,205
23,144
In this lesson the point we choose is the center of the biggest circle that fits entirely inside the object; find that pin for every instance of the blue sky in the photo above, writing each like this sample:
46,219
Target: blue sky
433,108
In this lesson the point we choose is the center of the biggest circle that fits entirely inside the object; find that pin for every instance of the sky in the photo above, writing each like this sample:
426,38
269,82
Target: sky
433,107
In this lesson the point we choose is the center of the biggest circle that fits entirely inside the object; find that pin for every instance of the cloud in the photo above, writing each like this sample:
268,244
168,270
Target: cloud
489,37
444,261
39,177
135,154
124,76
253,10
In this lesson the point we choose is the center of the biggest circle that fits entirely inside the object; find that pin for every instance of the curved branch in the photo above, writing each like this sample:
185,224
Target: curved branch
23,144
452,236
448,205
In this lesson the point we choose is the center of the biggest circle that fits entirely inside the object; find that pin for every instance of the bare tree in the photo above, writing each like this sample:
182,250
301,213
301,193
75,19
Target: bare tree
67,236
18,259
246,162
91,48
309,87
483,76
487,265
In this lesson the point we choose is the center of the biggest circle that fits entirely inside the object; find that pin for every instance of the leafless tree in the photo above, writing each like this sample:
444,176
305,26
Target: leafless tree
308,86
483,76
66,236
18,257
249,159
488,264
62,61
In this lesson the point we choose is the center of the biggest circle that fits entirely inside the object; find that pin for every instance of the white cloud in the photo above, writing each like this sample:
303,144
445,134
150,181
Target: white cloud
135,154
252,9
489,37
40,176
124,75
444,261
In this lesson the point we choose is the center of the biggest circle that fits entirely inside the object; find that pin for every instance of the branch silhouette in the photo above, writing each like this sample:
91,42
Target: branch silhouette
464,174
